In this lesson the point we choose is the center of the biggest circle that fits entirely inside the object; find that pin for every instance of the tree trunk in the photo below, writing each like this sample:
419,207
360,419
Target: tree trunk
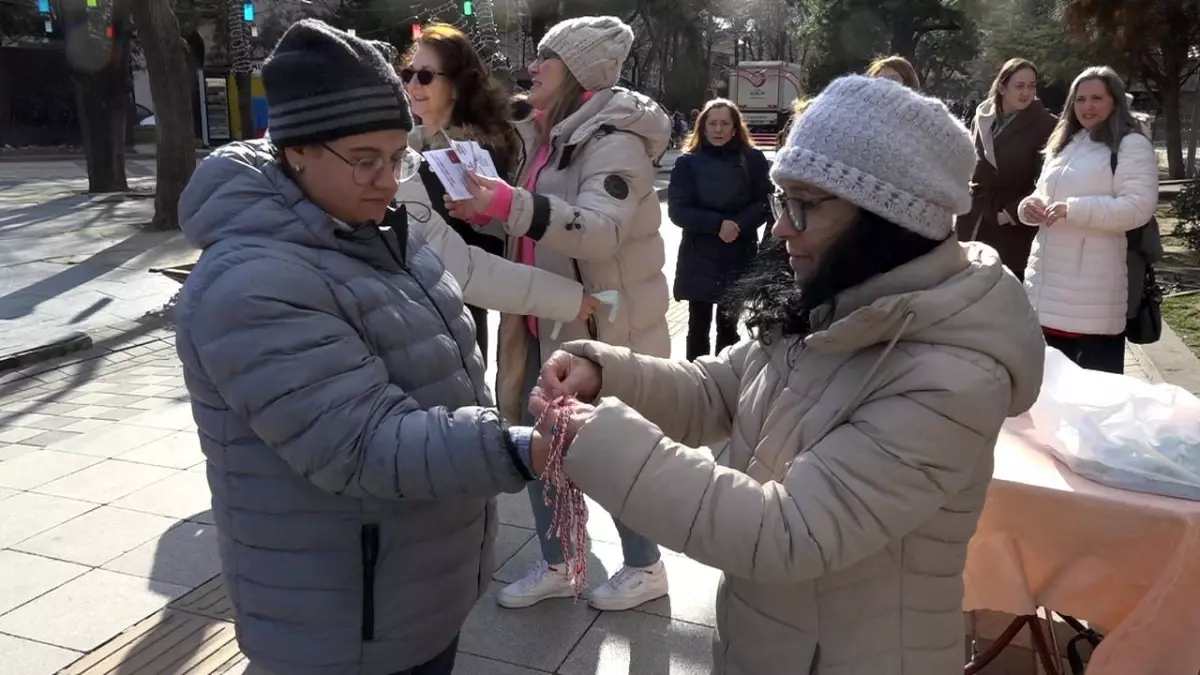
100,72
167,66
1169,91
904,37
1193,128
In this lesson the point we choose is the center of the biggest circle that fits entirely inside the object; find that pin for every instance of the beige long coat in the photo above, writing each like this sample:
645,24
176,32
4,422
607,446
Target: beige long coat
595,217
857,468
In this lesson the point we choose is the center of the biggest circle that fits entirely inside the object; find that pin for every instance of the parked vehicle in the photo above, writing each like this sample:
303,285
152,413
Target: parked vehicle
764,92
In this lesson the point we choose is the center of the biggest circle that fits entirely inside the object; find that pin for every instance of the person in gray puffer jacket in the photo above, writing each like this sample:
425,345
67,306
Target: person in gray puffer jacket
352,449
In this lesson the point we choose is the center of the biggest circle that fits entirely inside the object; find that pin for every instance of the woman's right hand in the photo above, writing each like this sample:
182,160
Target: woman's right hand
1035,211
588,307
729,231
565,374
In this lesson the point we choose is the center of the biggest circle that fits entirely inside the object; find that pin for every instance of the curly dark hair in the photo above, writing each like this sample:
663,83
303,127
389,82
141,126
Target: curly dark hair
778,307
482,104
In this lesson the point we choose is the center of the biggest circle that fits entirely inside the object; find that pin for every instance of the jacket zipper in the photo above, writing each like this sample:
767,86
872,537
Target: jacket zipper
370,557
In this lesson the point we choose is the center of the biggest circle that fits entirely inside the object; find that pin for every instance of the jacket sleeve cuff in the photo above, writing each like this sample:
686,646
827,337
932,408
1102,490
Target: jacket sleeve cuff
502,201
521,448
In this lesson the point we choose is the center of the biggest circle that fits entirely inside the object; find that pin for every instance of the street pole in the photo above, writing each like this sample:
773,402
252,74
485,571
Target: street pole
239,65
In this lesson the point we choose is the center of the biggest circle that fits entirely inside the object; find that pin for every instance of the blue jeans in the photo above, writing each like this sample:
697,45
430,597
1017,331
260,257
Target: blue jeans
639,551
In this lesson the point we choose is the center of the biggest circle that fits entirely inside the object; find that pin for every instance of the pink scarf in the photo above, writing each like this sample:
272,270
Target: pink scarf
525,247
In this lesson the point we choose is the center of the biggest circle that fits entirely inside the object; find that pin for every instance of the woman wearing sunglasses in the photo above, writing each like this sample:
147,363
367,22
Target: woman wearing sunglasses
586,209
860,421
337,390
457,99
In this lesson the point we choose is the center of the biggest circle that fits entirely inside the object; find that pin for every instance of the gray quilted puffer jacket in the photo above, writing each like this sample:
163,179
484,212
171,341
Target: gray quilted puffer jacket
340,401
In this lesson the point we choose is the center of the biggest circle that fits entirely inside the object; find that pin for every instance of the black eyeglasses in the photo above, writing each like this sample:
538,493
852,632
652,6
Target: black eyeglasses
367,170
796,209
424,76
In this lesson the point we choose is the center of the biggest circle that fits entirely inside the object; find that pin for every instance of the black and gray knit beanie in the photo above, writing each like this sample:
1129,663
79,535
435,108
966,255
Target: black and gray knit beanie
323,84
389,52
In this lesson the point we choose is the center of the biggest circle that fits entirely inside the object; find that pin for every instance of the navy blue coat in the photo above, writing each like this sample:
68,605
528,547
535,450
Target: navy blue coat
707,187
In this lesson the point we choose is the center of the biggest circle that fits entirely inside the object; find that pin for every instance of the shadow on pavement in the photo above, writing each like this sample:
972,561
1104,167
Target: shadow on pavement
194,634
84,370
22,301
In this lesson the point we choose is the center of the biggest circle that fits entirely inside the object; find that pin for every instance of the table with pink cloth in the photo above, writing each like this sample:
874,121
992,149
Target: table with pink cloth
1125,562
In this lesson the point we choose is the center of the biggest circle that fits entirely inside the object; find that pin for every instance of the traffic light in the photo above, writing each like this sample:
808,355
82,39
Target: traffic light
248,11
416,31
468,8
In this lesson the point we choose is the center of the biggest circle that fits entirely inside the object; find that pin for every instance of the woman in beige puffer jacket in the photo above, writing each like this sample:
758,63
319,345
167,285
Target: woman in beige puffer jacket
584,207
860,423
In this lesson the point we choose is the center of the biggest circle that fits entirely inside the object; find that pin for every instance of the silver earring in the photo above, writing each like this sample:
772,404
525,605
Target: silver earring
297,168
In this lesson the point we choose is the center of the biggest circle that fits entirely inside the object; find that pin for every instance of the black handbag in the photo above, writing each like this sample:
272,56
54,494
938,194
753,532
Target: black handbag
1145,327
1143,249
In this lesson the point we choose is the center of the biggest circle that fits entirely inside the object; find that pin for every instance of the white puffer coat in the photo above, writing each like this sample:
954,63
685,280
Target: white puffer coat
1076,277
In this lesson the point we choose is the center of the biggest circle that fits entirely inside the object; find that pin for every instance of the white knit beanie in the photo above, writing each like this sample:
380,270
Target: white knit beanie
592,47
885,148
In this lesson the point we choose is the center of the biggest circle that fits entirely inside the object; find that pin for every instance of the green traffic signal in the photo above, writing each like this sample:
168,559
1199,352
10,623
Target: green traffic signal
468,8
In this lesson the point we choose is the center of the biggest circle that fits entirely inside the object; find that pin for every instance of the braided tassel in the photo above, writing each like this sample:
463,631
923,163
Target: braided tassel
563,497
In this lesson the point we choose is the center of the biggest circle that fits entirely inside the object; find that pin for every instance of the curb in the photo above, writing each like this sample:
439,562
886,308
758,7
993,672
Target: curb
75,342
1171,360
102,341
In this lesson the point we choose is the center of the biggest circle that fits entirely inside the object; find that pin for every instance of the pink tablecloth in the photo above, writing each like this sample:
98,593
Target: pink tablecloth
1127,563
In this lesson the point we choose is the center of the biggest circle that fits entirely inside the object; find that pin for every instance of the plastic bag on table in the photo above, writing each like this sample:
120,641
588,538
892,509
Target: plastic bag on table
1120,431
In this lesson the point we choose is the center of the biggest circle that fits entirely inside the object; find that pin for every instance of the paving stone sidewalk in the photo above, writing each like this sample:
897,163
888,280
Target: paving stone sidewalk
75,263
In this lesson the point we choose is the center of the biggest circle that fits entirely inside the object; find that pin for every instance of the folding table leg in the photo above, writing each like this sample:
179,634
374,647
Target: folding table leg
981,661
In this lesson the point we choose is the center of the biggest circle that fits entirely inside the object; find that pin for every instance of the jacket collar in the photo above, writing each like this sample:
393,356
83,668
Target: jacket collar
873,311
985,116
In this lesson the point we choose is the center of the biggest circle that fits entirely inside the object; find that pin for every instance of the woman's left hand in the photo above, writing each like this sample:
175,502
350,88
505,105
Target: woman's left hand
463,210
1056,212
483,190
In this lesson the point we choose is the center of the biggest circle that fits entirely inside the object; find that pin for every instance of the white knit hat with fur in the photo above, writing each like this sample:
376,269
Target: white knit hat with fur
887,149
592,47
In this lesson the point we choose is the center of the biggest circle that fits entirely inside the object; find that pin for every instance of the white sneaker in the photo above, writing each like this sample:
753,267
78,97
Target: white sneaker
541,583
630,587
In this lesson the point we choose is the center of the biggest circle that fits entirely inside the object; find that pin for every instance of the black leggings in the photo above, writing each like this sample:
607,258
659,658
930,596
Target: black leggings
700,318
1105,353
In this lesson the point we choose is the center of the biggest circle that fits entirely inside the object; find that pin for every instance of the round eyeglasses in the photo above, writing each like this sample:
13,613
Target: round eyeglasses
367,170
795,209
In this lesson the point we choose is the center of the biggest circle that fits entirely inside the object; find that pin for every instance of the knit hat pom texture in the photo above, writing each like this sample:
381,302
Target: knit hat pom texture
885,148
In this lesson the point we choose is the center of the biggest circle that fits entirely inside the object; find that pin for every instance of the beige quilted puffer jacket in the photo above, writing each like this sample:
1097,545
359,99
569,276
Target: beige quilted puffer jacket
595,217
858,464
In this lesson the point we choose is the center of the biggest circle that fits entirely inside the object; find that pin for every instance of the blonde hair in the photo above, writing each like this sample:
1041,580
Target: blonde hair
566,100
696,138
899,64
1118,125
